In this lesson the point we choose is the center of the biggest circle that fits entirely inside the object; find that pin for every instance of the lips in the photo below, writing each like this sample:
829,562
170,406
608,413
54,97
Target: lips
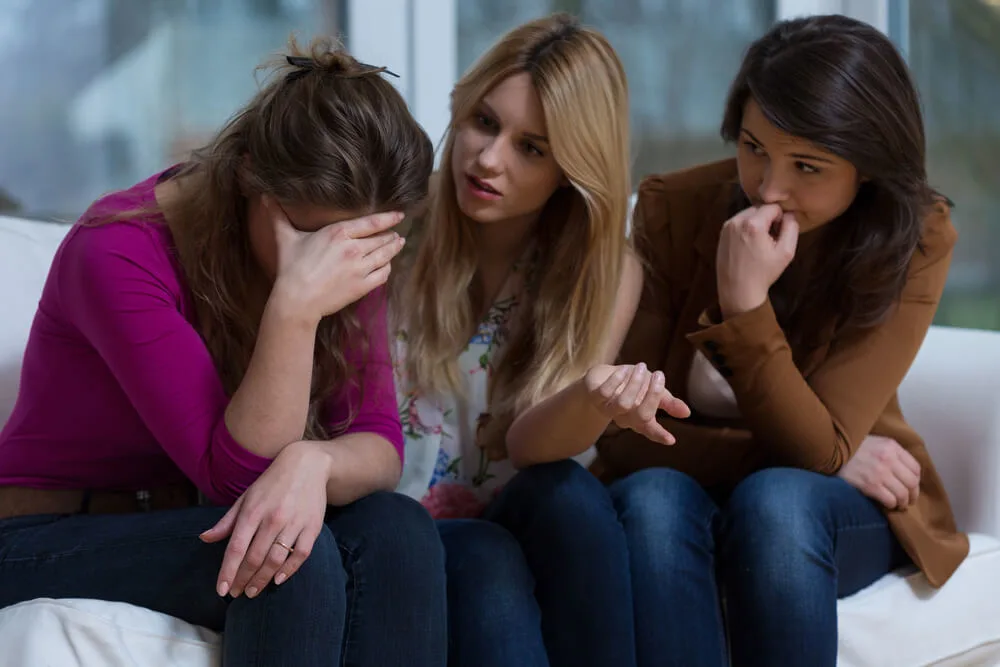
482,185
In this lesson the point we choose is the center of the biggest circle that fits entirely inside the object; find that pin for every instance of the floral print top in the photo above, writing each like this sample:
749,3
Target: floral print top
444,466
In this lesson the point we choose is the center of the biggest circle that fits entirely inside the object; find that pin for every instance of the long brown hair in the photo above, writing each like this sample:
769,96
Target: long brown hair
325,130
581,233
842,85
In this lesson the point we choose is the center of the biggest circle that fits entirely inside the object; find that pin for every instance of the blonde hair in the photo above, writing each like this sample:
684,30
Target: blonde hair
581,235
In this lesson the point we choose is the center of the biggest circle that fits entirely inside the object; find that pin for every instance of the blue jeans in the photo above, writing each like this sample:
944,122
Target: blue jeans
542,578
776,554
372,592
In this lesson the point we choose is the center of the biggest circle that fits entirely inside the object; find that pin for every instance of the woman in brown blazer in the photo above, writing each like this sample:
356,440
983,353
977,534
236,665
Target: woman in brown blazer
787,294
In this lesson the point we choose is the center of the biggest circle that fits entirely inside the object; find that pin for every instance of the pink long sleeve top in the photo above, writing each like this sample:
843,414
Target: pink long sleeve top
118,390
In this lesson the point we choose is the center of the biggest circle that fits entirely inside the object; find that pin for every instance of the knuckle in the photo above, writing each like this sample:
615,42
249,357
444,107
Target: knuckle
278,517
254,561
352,251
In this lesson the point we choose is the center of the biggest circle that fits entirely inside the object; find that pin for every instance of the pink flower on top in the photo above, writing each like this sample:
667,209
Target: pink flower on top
452,501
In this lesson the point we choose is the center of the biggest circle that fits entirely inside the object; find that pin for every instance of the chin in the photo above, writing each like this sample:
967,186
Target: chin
480,212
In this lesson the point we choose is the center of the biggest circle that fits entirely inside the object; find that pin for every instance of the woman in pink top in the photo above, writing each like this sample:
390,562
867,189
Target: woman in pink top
217,333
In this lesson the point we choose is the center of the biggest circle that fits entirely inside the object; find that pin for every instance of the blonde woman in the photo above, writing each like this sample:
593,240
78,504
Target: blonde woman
517,295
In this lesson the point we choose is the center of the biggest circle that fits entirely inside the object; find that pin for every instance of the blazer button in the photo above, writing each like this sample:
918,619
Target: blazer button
719,359
726,371
711,346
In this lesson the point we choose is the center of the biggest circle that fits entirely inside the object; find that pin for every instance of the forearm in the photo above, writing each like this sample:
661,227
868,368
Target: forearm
360,464
561,426
269,409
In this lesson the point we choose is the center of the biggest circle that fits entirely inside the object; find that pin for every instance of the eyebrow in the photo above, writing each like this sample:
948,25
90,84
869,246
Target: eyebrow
801,156
529,135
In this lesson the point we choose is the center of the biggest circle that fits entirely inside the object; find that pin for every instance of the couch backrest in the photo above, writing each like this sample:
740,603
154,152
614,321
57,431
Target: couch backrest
26,251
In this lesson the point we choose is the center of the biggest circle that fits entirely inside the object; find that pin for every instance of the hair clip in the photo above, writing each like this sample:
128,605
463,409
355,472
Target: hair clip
371,69
305,64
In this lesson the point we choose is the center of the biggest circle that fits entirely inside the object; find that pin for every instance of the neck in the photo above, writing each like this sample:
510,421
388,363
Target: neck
503,242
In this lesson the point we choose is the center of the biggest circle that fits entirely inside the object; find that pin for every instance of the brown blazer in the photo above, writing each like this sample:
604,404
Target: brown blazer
813,417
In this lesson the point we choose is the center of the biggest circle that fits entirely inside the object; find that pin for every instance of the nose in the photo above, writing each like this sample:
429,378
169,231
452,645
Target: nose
774,188
491,155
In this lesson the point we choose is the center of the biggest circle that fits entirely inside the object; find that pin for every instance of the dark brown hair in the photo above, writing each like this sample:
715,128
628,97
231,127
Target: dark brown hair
842,85
327,131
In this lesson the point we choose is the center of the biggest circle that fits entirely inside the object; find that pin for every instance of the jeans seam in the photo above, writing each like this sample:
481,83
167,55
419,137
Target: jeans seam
866,526
351,598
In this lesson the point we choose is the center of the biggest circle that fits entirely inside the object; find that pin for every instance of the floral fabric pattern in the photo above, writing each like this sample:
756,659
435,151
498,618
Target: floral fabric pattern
444,468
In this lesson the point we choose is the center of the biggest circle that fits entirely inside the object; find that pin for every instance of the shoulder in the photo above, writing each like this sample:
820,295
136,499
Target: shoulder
939,235
692,186
132,246
682,199
928,269
126,225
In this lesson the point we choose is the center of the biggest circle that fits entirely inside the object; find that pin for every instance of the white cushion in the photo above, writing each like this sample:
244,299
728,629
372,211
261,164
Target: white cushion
901,621
92,633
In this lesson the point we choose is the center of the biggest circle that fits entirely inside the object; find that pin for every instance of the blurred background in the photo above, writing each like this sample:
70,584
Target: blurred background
98,94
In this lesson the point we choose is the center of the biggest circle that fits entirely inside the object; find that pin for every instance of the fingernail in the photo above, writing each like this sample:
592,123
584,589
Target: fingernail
222,589
401,241
252,592
235,592
280,579
400,216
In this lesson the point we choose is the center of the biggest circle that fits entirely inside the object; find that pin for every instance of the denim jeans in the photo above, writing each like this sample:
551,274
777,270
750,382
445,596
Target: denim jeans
372,591
775,554
542,578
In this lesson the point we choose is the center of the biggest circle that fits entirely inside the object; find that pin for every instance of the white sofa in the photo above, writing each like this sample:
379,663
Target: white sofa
952,395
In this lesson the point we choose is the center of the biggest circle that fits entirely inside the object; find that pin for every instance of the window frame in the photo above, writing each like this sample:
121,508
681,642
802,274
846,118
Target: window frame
419,41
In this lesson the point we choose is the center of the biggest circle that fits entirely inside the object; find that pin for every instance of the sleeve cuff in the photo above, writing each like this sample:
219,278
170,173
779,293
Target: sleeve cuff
739,342
232,468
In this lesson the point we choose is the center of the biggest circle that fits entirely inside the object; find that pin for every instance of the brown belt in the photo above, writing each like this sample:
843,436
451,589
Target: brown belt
22,500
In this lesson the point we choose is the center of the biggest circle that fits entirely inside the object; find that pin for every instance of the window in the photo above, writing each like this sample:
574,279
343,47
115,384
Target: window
954,51
102,93
679,57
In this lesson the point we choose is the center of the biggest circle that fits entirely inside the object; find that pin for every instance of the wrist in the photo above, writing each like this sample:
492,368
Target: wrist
286,306
737,304
588,385
315,454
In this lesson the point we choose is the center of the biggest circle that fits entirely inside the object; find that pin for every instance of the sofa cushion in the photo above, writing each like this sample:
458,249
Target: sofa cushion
87,633
901,621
